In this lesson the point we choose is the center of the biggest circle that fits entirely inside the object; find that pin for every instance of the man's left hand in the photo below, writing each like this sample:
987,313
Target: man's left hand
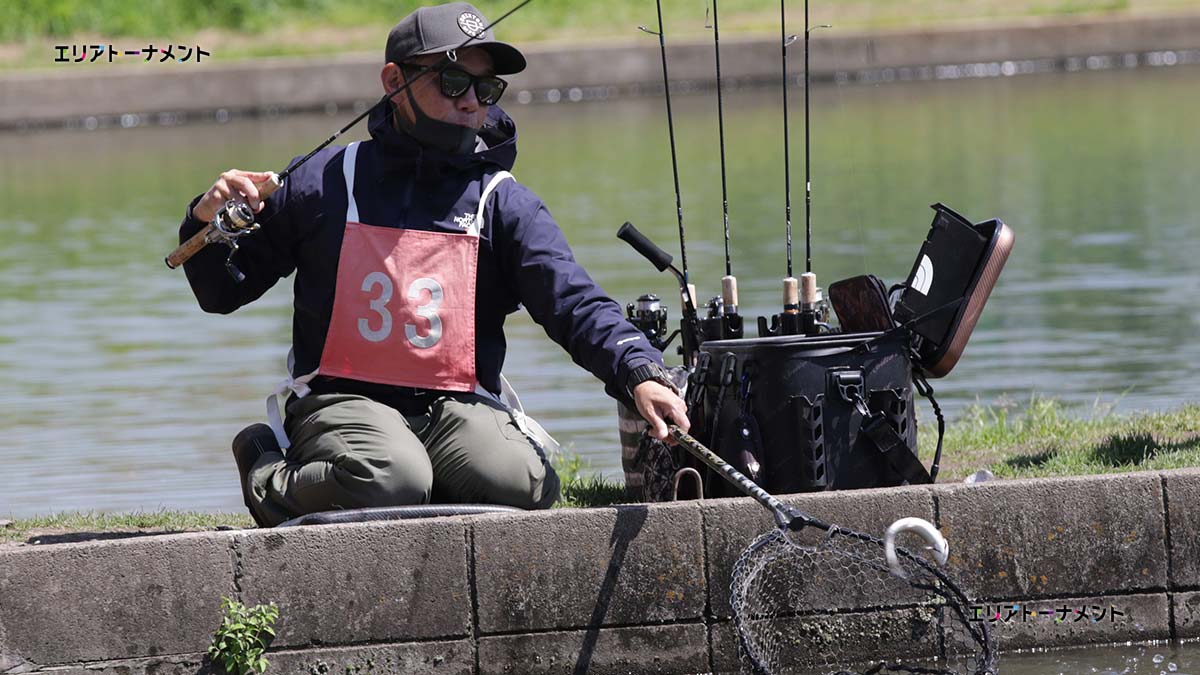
657,404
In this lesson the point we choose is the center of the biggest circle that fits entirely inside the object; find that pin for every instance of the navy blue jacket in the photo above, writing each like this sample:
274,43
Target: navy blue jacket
523,257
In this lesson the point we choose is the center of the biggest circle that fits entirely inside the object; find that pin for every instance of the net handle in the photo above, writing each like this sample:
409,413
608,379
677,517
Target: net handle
787,517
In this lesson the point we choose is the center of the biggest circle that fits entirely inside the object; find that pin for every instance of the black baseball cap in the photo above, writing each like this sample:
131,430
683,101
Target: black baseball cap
431,30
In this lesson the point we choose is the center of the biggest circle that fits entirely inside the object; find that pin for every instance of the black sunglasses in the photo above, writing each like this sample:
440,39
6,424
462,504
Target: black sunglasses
456,81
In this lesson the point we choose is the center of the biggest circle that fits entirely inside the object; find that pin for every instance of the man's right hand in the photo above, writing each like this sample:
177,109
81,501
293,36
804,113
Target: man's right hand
233,184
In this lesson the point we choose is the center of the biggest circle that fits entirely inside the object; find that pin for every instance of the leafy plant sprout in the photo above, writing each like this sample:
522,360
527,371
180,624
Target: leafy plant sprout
243,636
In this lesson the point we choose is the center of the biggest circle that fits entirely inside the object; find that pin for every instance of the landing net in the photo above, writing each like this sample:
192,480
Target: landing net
815,602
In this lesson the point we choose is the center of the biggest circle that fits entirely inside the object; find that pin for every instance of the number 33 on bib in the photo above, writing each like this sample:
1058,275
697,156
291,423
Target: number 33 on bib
404,309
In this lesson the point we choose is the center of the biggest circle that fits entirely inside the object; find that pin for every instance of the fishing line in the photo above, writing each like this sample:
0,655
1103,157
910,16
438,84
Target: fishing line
662,45
716,27
690,328
807,146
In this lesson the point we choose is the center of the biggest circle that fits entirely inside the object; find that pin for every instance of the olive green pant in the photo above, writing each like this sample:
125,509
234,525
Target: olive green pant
352,452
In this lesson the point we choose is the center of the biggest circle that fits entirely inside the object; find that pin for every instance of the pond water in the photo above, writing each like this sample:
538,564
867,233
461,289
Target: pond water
1150,659
121,394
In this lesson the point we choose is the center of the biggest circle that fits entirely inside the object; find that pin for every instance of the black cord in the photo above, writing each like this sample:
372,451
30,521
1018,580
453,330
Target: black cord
925,390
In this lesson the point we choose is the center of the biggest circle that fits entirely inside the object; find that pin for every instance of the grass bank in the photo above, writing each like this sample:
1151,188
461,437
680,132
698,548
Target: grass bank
241,29
1039,438
1043,438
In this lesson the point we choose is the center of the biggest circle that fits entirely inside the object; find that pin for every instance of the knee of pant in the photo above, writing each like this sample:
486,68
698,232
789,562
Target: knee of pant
386,482
541,487
550,489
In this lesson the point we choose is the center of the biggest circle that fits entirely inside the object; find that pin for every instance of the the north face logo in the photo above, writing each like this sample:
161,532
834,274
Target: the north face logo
466,221
471,24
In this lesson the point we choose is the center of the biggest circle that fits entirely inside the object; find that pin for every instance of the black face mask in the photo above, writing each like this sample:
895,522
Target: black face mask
434,133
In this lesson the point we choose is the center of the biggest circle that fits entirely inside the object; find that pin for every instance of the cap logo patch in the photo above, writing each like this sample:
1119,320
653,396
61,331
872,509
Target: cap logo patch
471,24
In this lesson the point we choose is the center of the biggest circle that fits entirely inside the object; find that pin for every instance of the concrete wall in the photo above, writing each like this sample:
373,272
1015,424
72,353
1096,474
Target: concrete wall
101,91
631,589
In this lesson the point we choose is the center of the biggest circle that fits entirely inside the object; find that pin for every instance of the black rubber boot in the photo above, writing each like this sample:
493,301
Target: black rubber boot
248,446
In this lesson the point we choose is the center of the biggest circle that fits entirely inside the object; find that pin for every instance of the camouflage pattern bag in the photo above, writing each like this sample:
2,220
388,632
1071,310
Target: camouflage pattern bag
649,464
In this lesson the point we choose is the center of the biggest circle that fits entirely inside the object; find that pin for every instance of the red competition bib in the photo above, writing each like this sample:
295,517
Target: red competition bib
404,303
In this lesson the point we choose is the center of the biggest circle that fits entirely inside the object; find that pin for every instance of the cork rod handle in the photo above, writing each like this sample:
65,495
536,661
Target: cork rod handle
192,246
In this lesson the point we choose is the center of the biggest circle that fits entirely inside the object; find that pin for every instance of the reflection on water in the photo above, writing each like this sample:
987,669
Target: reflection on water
120,394
1151,659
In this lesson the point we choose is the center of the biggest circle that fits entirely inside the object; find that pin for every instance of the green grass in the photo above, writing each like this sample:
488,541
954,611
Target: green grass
1045,438
67,526
580,487
1041,438
241,29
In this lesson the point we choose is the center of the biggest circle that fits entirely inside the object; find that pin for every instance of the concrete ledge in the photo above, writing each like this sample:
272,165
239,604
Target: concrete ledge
1036,538
590,568
72,93
368,582
113,599
1183,515
1079,621
640,588
652,650
422,658
1186,614
181,664
840,639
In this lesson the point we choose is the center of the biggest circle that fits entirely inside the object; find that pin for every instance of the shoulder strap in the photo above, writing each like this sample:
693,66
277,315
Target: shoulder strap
348,162
895,450
487,192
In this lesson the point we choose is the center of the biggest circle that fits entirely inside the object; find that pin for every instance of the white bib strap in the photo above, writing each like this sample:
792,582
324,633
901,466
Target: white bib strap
487,192
348,162
528,426
297,385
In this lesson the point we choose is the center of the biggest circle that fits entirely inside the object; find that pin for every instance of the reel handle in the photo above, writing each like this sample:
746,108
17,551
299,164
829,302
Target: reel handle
205,236
657,257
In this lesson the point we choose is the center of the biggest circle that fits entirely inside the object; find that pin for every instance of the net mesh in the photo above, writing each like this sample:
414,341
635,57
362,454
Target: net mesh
817,602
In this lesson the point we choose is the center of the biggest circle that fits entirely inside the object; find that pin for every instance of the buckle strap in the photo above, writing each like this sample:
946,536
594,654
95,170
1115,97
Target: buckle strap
894,448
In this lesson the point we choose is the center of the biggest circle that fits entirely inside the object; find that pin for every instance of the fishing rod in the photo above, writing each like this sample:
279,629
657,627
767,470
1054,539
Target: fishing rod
810,295
690,330
801,297
731,323
235,219
785,41
791,300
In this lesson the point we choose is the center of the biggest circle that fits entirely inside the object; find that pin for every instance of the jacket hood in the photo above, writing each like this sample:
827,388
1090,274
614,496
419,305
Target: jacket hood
499,133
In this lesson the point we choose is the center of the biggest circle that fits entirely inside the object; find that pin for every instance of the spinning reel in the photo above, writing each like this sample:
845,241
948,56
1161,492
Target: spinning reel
234,221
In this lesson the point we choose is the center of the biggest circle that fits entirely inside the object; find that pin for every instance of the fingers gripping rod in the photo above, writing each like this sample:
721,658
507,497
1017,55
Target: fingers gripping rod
213,232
